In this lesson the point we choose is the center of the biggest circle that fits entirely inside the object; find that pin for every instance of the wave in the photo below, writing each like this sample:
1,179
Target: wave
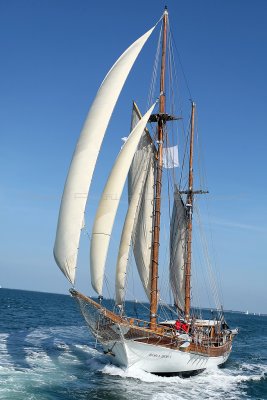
214,383
49,357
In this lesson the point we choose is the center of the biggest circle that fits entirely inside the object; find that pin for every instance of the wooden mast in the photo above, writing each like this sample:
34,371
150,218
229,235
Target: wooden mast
189,206
157,199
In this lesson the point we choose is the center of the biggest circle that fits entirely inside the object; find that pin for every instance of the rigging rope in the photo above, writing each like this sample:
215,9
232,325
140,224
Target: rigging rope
170,136
151,94
181,65
211,275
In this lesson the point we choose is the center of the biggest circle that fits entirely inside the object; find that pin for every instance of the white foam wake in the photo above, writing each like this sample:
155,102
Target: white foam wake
214,383
45,356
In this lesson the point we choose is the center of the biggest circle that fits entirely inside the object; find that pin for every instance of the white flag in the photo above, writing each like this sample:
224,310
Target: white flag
170,157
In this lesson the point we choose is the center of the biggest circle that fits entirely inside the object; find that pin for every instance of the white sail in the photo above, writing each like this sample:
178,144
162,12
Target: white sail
71,215
137,179
109,202
142,232
178,251
141,154
142,229
126,236
144,154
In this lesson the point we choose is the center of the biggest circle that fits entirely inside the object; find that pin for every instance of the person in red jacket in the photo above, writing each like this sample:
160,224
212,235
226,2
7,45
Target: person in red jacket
181,325
177,325
185,327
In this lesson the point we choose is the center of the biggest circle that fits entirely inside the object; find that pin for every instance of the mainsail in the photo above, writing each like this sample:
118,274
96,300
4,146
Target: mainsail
71,215
178,250
109,202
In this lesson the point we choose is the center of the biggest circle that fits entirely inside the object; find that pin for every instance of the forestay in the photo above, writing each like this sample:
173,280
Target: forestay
109,202
178,250
71,215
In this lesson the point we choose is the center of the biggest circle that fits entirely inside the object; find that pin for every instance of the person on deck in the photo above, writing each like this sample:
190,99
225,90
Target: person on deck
181,325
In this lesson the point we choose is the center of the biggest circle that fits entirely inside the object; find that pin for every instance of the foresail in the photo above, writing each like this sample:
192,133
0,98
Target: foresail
142,229
141,154
142,232
71,215
127,231
109,202
138,178
178,251
140,192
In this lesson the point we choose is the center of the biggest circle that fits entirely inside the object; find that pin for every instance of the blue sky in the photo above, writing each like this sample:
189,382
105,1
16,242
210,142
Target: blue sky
54,55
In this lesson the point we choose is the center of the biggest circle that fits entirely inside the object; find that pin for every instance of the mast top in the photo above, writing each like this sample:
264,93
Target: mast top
165,10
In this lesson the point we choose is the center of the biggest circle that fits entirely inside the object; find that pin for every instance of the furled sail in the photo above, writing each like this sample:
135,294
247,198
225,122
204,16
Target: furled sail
71,215
109,202
144,153
178,250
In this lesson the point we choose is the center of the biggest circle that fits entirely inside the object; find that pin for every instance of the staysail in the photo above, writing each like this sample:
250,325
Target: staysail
142,231
137,178
127,232
178,250
141,154
142,228
71,215
138,188
109,202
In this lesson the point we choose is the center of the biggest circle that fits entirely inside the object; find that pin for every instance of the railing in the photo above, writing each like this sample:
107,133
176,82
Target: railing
199,340
161,330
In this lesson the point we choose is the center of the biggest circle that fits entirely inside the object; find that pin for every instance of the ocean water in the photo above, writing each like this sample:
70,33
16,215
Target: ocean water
47,353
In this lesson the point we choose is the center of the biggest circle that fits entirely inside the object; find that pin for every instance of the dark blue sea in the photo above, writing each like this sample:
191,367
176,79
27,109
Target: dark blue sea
47,353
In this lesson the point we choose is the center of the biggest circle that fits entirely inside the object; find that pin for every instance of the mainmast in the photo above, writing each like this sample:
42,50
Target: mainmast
161,119
189,206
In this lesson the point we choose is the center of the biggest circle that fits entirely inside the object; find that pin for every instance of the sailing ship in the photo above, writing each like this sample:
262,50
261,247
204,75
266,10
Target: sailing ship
185,344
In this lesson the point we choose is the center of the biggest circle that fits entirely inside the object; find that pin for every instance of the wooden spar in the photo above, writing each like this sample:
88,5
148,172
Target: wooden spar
157,199
189,205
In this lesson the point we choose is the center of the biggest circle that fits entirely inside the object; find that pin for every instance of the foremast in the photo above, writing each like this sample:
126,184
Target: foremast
161,117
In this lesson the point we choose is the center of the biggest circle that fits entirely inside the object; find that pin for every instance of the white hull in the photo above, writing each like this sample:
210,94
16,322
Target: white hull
158,351
159,359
